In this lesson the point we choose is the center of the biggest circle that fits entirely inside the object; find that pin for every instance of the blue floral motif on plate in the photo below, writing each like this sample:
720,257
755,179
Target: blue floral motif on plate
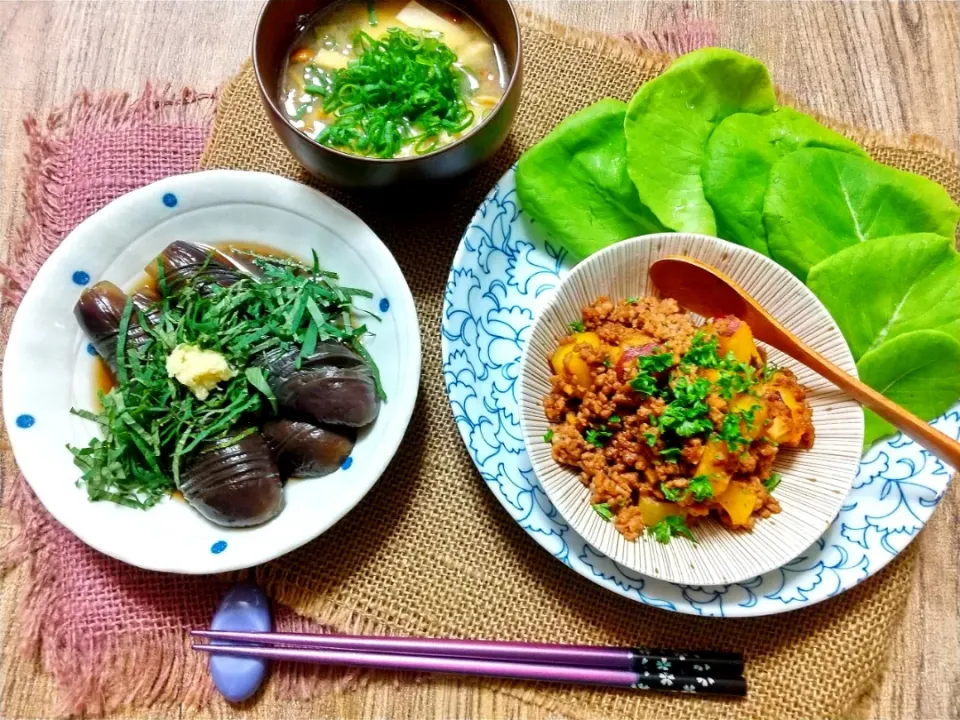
502,272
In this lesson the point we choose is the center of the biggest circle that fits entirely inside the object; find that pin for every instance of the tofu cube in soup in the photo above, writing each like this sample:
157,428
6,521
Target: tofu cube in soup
416,16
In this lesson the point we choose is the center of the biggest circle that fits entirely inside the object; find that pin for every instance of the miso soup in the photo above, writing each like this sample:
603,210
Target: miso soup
392,78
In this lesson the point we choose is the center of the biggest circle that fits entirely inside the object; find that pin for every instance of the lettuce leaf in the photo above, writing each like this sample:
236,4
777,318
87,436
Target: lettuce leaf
919,370
739,156
574,182
888,287
821,201
669,121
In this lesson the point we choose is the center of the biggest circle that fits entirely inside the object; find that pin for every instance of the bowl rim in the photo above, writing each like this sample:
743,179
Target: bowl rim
515,73
253,185
529,436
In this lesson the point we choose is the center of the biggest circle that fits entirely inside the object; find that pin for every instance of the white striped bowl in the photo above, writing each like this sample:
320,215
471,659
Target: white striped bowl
815,482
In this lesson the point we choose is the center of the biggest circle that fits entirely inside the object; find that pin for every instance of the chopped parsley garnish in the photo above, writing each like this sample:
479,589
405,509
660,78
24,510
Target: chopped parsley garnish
671,526
671,454
688,413
735,378
731,430
648,366
607,363
644,384
685,388
548,435
655,363
700,488
603,510
704,352
771,482
769,370
632,300
596,436
671,493
576,326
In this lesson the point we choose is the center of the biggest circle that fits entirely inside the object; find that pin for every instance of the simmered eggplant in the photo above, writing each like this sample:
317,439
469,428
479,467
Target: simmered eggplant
216,356
99,312
145,298
305,450
235,485
182,262
244,264
146,301
333,386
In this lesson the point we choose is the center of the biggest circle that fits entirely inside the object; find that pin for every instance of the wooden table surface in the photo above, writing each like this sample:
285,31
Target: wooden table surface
886,65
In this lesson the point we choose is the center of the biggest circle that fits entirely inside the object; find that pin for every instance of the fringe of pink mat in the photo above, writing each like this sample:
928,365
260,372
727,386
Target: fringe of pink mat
113,636
47,183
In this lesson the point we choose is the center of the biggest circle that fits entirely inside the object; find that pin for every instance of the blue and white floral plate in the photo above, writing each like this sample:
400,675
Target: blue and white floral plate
48,366
502,273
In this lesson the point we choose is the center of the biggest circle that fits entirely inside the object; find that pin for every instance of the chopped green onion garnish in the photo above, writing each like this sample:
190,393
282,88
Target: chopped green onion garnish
401,89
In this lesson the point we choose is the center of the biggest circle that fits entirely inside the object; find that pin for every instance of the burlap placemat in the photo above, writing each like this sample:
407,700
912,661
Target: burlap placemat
431,552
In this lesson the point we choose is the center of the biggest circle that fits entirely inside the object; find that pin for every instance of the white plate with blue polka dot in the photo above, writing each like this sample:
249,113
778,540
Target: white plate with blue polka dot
48,367
503,274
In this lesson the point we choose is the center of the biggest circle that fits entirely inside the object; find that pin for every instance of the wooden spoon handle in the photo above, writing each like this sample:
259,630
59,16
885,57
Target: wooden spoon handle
943,446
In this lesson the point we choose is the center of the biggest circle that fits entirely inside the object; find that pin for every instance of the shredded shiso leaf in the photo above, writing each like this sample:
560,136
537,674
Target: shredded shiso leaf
150,423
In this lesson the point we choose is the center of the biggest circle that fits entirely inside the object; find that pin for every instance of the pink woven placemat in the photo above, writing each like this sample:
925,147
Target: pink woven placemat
111,635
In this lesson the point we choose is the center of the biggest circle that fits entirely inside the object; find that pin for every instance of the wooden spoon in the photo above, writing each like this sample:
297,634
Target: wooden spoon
709,292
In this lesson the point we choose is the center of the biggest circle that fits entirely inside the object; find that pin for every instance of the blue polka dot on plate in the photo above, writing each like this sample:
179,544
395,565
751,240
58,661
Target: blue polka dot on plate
170,200
91,350
80,277
218,547
347,463
384,305
27,421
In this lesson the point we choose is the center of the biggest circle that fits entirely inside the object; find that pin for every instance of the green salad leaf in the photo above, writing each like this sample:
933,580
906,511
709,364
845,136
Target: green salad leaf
821,201
918,370
884,288
739,156
574,182
669,121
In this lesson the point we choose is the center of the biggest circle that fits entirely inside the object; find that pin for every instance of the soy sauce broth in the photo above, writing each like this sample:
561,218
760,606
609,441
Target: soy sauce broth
103,381
327,45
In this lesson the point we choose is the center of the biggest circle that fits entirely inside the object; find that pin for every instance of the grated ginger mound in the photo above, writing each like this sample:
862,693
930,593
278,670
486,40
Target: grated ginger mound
198,370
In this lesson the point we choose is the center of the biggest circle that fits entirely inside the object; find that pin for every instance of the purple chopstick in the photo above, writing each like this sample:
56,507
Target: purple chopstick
716,664
661,680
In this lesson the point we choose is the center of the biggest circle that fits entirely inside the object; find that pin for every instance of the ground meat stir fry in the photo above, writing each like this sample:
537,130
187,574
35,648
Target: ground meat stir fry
669,423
